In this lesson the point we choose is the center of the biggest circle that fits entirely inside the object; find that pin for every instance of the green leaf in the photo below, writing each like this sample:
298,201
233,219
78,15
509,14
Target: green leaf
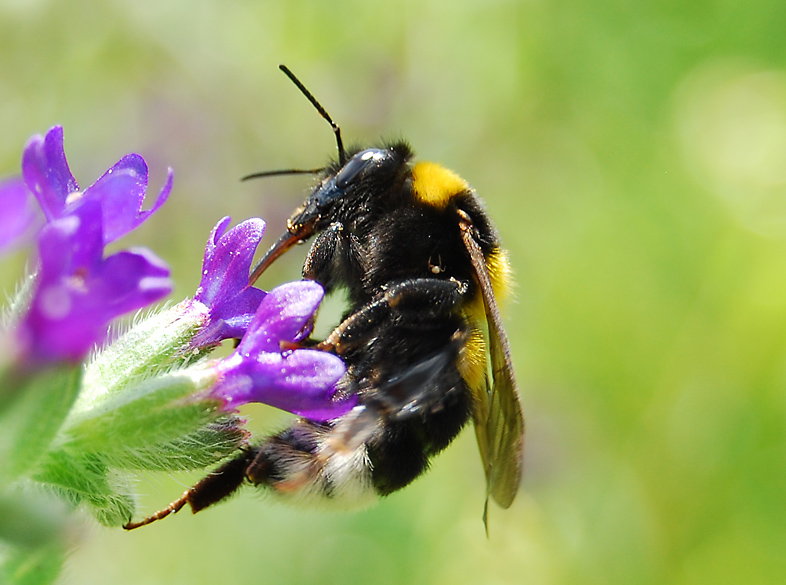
30,519
20,301
35,407
196,450
31,566
87,480
158,410
152,346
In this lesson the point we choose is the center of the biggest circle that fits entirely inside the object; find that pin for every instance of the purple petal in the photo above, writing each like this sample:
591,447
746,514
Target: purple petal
285,314
121,191
46,172
227,261
16,212
71,245
224,289
52,331
301,382
78,293
130,280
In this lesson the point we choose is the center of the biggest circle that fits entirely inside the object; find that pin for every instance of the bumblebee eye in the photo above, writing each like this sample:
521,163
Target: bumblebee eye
359,162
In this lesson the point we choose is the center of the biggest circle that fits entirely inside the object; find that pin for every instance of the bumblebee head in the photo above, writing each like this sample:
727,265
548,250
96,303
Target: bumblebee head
341,189
344,190
339,196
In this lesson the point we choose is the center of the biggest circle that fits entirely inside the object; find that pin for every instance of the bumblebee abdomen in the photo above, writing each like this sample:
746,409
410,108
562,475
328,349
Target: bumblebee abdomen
441,406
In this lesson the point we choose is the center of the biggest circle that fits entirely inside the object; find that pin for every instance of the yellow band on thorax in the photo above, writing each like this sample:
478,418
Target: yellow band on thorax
434,184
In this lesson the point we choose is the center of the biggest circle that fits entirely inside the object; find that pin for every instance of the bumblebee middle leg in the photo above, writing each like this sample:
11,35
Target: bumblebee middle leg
410,302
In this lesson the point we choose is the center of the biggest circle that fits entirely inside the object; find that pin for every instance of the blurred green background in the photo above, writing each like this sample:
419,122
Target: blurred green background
633,155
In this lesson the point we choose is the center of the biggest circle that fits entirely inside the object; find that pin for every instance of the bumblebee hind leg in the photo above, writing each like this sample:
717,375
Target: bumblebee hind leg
217,486
300,464
308,464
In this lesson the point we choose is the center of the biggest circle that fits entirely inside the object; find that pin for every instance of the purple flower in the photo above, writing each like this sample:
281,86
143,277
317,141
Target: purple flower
301,381
224,291
120,190
78,291
17,215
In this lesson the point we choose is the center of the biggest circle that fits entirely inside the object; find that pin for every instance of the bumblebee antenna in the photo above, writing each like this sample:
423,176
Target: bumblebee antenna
342,156
282,172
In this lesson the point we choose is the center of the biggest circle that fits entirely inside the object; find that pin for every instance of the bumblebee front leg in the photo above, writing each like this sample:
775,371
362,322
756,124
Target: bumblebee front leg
415,299
333,257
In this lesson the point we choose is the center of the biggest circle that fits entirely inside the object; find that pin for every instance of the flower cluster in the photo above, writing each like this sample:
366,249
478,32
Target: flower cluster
77,291
77,410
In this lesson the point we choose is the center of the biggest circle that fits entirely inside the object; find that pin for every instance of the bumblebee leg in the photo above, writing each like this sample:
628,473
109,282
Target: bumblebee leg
333,257
322,252
286,461
307,463
213,488
425,297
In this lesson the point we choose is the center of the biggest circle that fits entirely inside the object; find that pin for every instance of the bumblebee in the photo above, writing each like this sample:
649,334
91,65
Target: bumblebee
423,341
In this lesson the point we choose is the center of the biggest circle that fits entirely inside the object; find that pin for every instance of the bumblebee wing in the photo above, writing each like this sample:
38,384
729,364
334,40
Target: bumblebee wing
416,391
419,389
499,423
505,430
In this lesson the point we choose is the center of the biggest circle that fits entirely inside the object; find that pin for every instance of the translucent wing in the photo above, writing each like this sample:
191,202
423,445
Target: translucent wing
499,424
